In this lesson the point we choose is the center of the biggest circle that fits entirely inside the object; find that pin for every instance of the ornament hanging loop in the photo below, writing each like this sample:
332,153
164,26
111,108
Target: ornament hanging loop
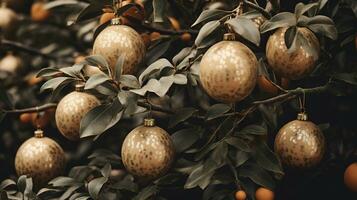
239,9
302,100
37,119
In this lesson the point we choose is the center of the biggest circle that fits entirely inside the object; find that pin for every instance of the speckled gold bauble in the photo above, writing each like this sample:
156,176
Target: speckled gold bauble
300,143
228,71
10,64
297,63
41,158
70,111
117,40
147,151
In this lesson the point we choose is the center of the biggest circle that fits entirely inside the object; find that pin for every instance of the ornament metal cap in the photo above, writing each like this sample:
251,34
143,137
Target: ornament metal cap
79,87
149,122
39,133
302,117
229,37
115,21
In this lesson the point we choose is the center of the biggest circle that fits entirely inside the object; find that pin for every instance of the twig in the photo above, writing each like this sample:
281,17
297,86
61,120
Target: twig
138,24
258,8
33,109
27,49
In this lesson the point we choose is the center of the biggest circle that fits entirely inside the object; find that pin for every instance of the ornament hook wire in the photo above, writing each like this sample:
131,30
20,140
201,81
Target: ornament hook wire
37,119
302,101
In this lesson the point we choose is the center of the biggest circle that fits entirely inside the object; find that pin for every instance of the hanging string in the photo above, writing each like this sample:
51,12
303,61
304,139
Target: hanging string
37,119
302,102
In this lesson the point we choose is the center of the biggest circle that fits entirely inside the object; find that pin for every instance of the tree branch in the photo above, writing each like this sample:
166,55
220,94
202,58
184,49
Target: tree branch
33,109
28,49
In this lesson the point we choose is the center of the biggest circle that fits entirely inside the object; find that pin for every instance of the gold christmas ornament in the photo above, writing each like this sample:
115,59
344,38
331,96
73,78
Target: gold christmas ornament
228,70
117,40
297,63
11,64
147,151
71,109
41,158
300,143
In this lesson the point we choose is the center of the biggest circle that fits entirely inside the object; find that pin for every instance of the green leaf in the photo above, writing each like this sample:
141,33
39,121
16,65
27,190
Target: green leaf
245,28
181,55
127,183
290,36
154,67
101,118
209,15
219,154
159,7
46,72
73,71
54,83
350,78
106,170
146,193
157,50
118,67
159,87
55,4
257,175
238,143
254,130
206,30
62,181
129,81
6,183
301,8
328,30
181,115
92,10
217,110
180,79
283,19
69,192
95,185
184,139
267,159
241,157
96,80
201,176
98,60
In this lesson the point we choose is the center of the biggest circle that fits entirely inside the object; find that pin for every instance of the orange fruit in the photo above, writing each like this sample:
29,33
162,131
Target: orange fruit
25,118
240,195
146,39
266,86
33,80
42,119
264,194
38,12
106,17
154,36
175,23
186,37
350,177
79,59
